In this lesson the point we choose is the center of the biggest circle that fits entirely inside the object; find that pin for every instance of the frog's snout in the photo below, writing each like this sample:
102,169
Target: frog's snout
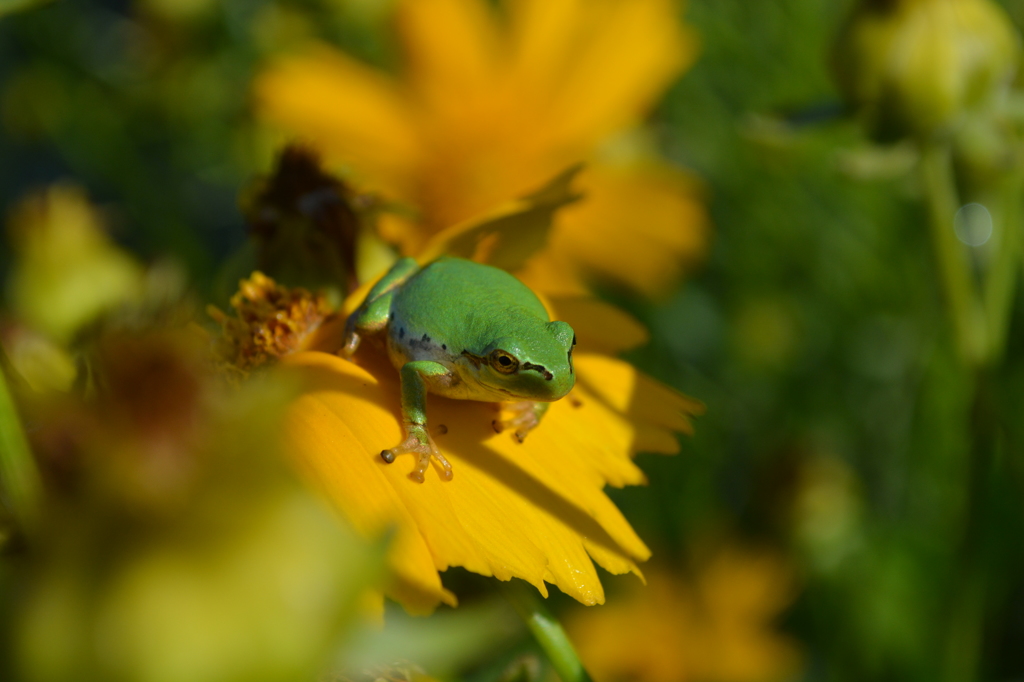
557,386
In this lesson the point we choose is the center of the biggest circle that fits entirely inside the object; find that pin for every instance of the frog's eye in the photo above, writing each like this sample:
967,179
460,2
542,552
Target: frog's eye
504,362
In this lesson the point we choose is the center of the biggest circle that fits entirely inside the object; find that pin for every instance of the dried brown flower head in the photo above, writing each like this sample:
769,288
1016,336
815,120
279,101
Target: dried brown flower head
303,221
270,321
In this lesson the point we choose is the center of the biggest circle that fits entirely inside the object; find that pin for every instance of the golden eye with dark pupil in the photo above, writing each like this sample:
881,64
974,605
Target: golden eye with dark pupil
503,362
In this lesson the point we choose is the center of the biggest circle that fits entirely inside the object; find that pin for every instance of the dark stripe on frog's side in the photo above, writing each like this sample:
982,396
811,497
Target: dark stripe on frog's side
548,376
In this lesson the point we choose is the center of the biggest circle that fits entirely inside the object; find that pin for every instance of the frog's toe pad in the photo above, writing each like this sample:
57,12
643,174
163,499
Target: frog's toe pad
523,419
349,345
419,443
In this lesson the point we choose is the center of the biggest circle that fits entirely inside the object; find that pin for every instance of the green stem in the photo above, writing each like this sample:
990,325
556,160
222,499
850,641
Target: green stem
965,311
19,481
966,624
1001,282
546,629
965,631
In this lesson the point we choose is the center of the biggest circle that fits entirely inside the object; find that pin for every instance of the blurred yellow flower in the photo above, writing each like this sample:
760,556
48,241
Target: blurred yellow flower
67,271
174,544
715,627
486,110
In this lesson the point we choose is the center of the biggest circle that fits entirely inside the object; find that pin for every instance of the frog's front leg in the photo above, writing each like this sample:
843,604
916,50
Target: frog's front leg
526,415
415,376
372,314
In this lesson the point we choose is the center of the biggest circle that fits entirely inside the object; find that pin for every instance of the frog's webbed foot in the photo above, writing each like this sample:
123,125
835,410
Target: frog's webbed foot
524,418
418,442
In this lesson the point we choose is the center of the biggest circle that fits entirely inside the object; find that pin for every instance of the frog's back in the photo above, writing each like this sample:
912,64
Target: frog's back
459,302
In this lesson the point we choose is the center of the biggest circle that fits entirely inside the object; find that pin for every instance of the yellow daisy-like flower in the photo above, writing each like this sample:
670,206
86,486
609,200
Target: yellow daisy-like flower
535,510
486,110
715,627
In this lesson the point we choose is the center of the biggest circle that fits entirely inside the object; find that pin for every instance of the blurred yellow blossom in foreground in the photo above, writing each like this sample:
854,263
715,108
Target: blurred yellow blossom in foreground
172,543
486,110
175,546
713,627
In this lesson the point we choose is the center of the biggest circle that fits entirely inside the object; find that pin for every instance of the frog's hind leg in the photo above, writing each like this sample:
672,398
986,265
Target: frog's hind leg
372,314
526,415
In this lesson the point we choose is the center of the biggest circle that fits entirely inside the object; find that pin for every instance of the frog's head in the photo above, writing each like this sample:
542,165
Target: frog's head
533,365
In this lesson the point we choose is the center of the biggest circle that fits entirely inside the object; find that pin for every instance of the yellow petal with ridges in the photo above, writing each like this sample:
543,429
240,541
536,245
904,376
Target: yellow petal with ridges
632,393
336,460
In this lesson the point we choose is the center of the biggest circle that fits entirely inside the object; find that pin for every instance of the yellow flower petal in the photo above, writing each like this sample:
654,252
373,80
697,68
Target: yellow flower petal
451,48
337,461
534,510
640,225
351,111
657,411
573,54
600,327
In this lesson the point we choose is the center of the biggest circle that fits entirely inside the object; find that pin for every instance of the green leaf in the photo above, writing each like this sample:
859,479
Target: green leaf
19,480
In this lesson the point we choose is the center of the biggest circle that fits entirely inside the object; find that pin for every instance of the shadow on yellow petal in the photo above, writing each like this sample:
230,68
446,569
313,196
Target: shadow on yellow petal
656,411
534,510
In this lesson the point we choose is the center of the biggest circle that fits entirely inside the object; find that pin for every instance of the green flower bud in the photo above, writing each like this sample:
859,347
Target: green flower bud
916,67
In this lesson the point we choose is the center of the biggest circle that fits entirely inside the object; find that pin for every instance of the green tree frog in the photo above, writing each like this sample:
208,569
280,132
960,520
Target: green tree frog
464,330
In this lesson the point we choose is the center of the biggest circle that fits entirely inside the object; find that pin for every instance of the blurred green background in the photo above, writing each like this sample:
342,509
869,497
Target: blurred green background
839,422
